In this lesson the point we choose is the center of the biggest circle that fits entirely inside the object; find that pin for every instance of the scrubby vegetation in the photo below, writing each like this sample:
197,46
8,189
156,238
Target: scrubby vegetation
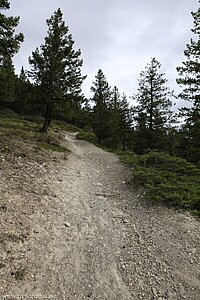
166,178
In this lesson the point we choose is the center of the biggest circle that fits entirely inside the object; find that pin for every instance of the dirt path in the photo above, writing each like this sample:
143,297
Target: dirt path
93,237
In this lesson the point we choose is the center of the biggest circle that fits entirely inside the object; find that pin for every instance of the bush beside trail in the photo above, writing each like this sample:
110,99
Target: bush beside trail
166,178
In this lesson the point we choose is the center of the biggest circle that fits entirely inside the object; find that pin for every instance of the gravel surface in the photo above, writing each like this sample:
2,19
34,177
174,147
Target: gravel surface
77,229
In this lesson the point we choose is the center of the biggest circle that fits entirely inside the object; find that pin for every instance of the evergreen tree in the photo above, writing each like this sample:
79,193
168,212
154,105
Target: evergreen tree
101,99
56,68
115,118
84,116
141,134
24,94
153,110
9,46
189,80
7,81
126,121
112,118
121,120
9,42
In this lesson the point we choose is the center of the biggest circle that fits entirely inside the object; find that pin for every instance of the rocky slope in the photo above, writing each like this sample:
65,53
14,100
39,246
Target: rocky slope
76,229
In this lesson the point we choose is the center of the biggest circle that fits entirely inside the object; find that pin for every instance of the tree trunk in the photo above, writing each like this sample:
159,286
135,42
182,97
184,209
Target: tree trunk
151,108
47,119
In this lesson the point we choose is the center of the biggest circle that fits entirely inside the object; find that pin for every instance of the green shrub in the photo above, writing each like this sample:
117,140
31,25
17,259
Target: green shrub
52,147
63,126
87,136
166,178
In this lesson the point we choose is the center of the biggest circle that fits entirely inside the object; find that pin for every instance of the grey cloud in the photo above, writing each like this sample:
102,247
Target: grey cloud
117,36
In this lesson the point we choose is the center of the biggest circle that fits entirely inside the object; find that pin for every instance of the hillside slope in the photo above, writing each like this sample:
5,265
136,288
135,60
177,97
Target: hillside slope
75,229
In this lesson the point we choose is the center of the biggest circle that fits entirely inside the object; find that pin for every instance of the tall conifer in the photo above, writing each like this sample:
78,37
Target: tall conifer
56,68
9,46
153,111
101,98
189,80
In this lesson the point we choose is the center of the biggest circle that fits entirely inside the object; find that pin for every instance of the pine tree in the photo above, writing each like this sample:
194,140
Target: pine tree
120,119
24,94
7,81
141,134
153,110
190,71
9,46
126,121
189,80
101,99
9,42
115,118
56,68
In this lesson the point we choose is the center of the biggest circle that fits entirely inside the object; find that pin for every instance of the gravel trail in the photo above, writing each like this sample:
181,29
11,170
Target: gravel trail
93,236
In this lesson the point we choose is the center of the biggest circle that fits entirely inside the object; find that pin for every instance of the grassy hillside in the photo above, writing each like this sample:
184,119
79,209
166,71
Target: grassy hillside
22,134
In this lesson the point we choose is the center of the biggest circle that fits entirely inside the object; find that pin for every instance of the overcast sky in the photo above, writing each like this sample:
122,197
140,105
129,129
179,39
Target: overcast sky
117,36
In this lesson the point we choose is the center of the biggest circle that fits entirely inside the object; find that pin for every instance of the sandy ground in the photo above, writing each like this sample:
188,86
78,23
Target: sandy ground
77,229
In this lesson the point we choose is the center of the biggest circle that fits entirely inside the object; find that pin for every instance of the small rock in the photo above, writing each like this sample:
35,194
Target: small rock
67,224
125,221
123,267
154,291
89,294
